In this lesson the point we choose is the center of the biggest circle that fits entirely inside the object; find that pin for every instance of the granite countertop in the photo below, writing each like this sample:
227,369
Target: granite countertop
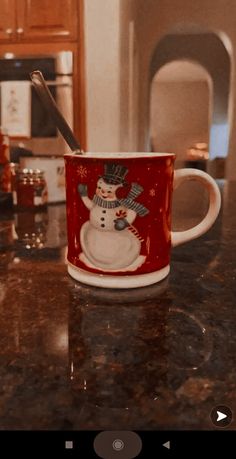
76,357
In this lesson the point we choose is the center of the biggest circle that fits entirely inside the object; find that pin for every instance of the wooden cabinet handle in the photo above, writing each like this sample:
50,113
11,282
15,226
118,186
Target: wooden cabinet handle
20,31
9,31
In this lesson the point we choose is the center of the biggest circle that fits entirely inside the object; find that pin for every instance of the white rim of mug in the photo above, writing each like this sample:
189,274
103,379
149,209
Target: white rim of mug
120,155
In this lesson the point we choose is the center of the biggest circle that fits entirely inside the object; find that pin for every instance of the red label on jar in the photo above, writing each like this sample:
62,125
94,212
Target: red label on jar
5,170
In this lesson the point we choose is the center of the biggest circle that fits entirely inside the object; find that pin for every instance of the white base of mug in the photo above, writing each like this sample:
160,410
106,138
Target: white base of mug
108,281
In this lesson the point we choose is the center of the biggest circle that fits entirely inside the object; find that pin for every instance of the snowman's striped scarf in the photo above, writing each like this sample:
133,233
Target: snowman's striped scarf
105,204
128,203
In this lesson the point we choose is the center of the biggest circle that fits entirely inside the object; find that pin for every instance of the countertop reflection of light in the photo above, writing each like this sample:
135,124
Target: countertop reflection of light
62,341
9,56
16,260
2,292
58,340
34,241
85,384
72,371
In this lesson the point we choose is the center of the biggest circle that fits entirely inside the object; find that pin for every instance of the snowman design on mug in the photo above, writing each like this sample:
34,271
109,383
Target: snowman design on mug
108,239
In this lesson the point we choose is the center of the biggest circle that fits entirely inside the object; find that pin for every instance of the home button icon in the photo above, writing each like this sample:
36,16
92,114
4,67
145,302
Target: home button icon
117,444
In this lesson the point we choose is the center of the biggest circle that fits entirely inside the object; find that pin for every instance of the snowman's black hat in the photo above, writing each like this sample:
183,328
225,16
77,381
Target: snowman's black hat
114,174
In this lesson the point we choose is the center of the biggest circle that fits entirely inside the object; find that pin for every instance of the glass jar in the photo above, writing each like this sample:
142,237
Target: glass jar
40,188
14,171
5,170
31,189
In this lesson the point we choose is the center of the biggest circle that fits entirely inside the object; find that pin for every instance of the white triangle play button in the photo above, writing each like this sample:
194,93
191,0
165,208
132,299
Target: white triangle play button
220,416
167,445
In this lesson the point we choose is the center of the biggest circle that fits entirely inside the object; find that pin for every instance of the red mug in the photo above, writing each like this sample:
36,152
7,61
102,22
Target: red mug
119,216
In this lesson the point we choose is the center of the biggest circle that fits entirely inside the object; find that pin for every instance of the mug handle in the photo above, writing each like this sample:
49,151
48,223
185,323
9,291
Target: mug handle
180,176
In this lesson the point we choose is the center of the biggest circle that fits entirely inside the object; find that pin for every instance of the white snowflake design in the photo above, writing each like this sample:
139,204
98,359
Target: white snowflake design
82,171
152,192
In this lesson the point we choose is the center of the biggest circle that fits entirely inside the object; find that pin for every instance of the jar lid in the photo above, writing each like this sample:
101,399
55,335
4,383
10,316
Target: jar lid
38,171
31,173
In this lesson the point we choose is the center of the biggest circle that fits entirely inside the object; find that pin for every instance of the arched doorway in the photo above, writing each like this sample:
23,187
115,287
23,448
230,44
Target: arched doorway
209,51
180,110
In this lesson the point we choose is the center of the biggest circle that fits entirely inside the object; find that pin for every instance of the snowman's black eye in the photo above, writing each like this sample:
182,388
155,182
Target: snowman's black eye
99,187
109,191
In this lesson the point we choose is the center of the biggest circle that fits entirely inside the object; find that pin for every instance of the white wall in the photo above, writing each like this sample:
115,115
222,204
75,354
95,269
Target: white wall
112,101
129,77
102,72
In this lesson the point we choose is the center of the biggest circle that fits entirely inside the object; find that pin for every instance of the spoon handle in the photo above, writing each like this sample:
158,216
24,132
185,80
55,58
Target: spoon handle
50,104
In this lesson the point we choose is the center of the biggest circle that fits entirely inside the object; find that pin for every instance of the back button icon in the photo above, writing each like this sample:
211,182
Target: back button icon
166,444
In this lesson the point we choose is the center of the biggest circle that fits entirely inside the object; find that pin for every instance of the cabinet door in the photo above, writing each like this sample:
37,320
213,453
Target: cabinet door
41,20
7,19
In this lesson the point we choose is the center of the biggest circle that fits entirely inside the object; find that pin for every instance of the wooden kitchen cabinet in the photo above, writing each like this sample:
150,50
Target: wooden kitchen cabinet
43,27
38,20
44,19
7,19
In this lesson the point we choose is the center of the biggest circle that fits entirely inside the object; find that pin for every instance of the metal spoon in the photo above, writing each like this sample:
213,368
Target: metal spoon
50,104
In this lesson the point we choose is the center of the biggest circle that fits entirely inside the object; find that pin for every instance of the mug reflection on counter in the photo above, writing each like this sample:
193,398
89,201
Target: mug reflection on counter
122,353
108,358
